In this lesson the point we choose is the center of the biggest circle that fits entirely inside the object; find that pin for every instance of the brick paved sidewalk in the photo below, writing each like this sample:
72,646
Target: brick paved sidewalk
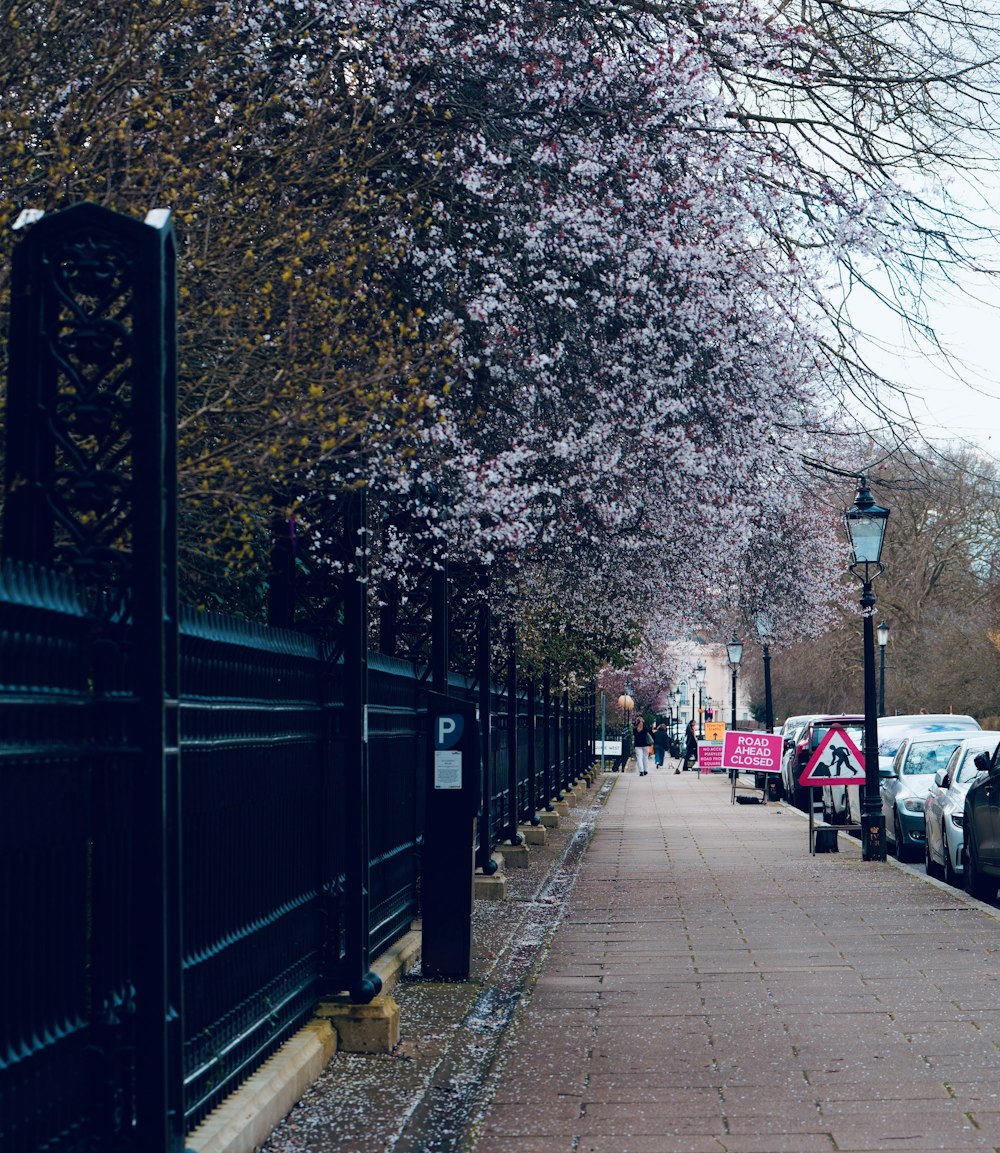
713,987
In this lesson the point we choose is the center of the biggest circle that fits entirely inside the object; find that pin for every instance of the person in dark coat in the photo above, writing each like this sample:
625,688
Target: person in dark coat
690,745
661,743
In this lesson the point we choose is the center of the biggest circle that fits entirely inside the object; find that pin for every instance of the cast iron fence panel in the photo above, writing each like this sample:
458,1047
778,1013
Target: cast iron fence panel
524,761
51,995
252,787
263,830
397,743
501,769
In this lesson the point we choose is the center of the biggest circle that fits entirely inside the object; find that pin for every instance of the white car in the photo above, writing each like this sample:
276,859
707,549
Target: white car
891,730
902,791
943,807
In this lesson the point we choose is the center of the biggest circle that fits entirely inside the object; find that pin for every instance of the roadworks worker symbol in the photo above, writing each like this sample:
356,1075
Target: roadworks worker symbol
836,761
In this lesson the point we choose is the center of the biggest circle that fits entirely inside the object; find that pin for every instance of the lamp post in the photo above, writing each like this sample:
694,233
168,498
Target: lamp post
735,652
626,704
866,522
700,673
883,640
765,631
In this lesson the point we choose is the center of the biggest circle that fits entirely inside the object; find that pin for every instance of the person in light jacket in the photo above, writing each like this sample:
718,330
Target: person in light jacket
643,743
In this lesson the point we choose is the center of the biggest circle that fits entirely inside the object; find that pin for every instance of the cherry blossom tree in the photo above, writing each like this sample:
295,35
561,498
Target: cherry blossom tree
552,281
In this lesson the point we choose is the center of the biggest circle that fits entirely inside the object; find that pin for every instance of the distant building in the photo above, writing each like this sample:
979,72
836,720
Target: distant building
715,696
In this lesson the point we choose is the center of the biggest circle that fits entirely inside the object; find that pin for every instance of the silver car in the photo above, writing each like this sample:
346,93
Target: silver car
904,788
892,730
943,805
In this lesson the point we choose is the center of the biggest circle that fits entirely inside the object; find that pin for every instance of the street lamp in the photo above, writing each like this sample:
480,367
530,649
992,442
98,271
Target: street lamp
626,704
735,652
883,640
700,673
766,632
866,522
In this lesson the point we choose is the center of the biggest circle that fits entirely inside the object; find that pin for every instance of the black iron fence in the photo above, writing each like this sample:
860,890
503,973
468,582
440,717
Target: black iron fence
262,884
207,824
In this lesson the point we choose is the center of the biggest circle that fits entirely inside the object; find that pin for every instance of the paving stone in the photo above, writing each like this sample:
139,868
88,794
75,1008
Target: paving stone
709,986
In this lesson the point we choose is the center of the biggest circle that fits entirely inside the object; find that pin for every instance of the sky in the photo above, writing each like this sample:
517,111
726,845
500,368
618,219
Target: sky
957,401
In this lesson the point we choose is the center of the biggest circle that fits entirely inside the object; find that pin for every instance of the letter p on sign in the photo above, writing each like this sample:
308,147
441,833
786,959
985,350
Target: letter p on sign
448,730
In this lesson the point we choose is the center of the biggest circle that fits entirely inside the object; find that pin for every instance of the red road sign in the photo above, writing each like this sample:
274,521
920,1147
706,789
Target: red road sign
836,761
752,752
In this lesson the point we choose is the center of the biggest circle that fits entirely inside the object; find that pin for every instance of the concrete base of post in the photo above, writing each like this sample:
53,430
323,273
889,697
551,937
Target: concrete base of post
515,856
562,807
371,1028
534,834
489,888
550,820
492,887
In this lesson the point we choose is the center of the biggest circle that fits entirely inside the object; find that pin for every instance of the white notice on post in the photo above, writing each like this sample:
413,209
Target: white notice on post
447,769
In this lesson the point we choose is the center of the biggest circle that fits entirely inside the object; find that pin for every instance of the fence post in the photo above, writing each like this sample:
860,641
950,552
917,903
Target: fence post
440,626
511,832
567,733
484,859
363,984
529,736
91,483
547,753
281,579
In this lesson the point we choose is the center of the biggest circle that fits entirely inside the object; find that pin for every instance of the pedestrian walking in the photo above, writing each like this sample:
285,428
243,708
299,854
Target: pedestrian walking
690,745
661,743
643,746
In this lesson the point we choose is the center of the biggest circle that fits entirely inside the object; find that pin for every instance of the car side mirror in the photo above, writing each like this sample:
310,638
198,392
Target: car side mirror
886,772
984,762
789,744
941,779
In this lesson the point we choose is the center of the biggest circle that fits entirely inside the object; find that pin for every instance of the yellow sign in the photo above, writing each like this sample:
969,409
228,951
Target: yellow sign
715,731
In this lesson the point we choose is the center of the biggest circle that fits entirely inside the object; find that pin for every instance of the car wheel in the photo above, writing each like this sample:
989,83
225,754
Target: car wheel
977,885
897,832
931,866
949,869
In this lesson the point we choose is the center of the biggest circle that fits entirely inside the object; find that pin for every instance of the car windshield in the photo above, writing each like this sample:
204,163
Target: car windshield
889,746
928,758
968,768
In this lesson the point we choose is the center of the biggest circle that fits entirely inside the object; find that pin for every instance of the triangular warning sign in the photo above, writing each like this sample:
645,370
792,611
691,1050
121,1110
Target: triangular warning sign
836,761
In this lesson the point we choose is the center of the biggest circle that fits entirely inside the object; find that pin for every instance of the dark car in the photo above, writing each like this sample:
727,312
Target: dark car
981,829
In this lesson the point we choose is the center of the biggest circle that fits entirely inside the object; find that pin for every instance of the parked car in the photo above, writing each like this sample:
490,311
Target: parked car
981,829
903,788
808,742
793,731
944,807
892,730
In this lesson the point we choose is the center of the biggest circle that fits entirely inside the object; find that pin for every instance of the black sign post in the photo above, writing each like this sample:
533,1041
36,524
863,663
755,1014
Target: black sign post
453,776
